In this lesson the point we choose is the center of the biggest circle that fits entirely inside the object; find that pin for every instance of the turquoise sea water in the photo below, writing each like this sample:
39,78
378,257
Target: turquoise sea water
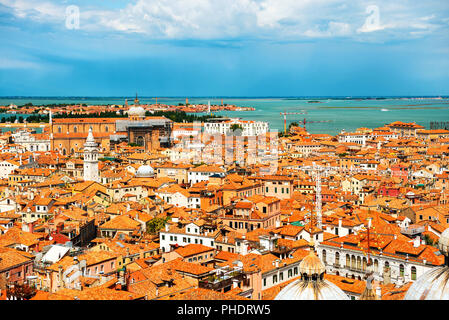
343,114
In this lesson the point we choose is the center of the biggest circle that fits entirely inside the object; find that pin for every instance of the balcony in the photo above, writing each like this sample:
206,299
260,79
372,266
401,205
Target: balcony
221,280
413,230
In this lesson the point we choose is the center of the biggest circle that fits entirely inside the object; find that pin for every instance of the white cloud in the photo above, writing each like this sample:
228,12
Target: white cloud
37,10
227,19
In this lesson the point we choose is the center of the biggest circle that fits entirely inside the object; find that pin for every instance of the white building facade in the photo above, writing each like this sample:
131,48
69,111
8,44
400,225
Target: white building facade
27,140
249,128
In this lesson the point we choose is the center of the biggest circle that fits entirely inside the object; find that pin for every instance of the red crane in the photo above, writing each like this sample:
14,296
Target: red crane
307,121
285,118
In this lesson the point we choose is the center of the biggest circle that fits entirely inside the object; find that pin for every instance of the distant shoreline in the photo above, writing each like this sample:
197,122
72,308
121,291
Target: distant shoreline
436,97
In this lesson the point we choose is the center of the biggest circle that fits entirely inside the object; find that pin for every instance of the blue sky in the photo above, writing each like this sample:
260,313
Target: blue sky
224,48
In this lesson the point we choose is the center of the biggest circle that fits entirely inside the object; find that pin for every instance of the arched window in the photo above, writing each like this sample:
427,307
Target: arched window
106,129
413,273
359,263
75,129
324,256
64,152
353,262
59,130
401,270
337,258
386,266
140,141
348,261
364,264
376,265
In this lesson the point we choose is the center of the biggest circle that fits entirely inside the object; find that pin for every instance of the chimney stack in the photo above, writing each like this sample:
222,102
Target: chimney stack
379,293
417,242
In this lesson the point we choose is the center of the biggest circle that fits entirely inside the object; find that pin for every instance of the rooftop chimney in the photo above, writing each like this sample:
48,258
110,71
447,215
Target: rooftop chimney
379,292
417,242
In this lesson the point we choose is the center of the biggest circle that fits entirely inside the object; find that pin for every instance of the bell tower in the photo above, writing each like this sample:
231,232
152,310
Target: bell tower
91,158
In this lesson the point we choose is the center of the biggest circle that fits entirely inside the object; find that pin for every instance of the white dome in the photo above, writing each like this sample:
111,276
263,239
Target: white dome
311,285
136,111
311,290
433,285
145,171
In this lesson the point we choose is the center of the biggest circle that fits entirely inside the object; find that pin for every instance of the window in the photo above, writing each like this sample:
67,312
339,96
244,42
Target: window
413,273
275,278
401,270
324,256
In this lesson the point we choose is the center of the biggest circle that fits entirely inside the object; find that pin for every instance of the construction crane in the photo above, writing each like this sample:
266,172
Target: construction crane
318,171
285,118
307,121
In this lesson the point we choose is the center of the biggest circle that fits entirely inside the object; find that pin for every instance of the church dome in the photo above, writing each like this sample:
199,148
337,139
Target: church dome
433,285
145,171
311,285
136,112
311,265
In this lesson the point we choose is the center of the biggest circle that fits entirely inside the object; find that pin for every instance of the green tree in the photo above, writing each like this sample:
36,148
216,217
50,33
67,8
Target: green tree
236,129
428,240
155,224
